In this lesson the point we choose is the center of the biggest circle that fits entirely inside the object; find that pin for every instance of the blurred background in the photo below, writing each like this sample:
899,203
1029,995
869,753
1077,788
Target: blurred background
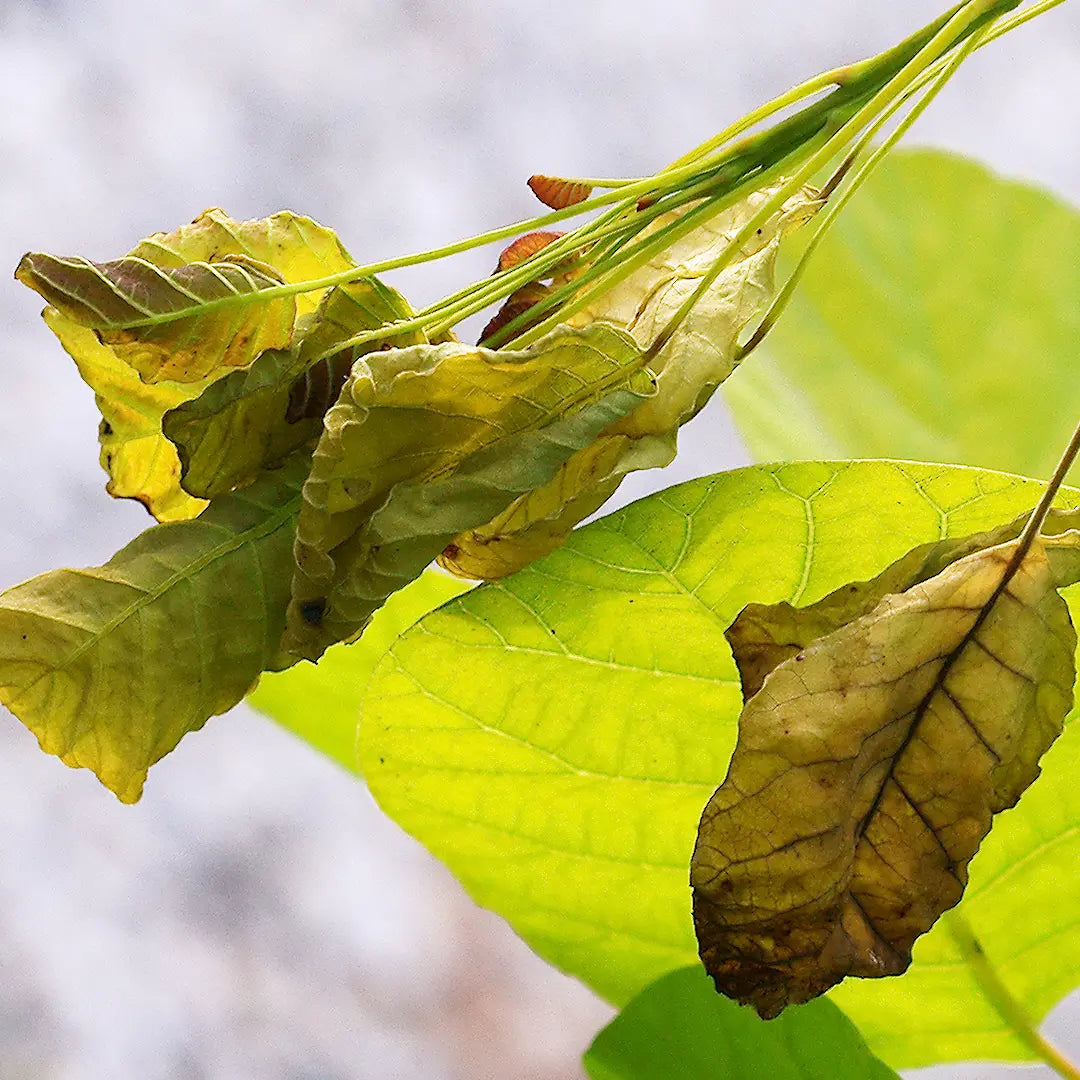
255,915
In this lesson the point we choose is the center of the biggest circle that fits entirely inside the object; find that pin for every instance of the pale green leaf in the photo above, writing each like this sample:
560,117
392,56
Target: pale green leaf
554,737
679,1028
110,667
937,322
700,355
321,702
429,440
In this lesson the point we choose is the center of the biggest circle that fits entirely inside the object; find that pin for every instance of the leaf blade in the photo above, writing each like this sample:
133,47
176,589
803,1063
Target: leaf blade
867,769
677,1026
700,355
564,813
952,329
90,655
426,440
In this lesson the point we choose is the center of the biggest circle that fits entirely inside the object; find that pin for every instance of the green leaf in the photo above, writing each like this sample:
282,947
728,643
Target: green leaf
178,325
236,427
700,355
142,464
679,1027
429,440
253,419
321,702
111,666
937,322
554,737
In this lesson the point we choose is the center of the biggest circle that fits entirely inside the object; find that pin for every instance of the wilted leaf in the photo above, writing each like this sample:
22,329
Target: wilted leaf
868,766
253,419
573,815
111,666
699,356
321,702
346,310
141,463
236,427
539,521
429,440
679,1029
557,193
178,325
525,247
298,248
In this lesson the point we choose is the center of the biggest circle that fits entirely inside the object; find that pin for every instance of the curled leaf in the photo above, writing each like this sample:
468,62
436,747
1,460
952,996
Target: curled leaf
346,310
297,247
700,355
428,441
524,247
180,324
557,193
141,463
253,419
236,427
883,728
110,667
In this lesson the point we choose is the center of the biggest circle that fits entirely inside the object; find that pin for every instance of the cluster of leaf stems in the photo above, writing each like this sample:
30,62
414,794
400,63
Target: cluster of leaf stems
859,100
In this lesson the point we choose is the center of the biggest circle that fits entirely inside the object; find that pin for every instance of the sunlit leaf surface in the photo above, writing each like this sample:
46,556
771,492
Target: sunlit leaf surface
937,322
554,737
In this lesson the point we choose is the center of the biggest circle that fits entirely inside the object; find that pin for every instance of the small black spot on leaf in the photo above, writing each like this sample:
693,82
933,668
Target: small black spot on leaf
313,611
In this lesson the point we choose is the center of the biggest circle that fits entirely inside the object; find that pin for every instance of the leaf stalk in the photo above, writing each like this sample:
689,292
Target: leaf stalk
999,996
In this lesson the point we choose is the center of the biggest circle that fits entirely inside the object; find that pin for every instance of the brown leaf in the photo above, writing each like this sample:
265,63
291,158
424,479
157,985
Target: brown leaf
517,303
557,193
883,728
525,247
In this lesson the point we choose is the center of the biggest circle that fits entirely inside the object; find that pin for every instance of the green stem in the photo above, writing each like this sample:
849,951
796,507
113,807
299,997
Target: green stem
882,100
941,77
997,993
1038,515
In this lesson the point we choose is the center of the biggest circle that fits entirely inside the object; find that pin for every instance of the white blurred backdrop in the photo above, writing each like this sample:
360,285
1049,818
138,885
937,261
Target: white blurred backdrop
255,915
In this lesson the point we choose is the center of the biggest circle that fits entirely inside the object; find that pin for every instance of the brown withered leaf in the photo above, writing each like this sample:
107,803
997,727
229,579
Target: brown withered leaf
517,303
525,247
883,728
558,193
